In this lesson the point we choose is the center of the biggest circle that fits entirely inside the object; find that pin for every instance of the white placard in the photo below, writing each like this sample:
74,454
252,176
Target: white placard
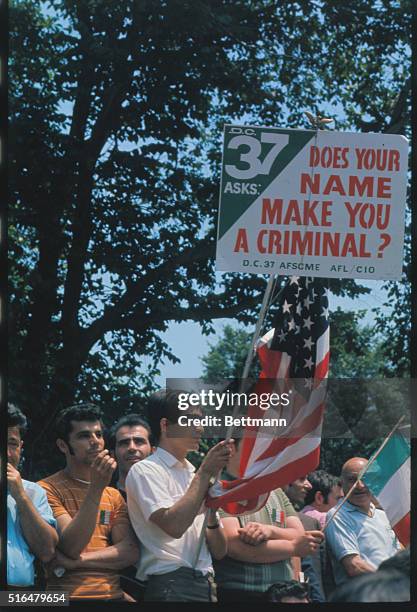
312,203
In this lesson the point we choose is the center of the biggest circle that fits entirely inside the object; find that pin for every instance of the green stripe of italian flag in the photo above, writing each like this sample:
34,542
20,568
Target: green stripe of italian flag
389,479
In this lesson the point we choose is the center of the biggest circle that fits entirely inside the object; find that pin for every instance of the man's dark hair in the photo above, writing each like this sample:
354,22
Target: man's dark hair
128,420
322,481
16,418
163,404
385,585
291,588
400,561
79,412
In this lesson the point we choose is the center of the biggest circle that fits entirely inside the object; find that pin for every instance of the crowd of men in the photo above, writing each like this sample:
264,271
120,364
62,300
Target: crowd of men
124,522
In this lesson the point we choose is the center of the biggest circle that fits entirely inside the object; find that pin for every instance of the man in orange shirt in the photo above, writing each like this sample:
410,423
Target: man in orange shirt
95,536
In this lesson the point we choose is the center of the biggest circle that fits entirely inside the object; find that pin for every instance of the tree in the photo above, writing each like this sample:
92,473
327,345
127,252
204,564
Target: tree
355,349
395,327
226,358
115,116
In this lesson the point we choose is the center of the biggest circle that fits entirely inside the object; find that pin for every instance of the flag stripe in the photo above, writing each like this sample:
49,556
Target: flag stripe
293,451
402,530
298,433
391,458
300,424
395,496
273,480
288,456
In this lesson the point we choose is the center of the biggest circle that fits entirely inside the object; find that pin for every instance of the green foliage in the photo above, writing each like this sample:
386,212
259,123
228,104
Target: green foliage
116,114
226,358
396,328
355,349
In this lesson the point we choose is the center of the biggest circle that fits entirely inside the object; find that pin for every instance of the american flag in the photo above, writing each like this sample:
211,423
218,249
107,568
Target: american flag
295,358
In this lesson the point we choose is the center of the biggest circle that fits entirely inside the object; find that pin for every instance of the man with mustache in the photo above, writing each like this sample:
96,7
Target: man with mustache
360,537
95,536
128,443
297,490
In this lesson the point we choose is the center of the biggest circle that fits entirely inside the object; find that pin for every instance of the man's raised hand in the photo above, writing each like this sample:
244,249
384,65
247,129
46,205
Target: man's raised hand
217,458
14,481
102,470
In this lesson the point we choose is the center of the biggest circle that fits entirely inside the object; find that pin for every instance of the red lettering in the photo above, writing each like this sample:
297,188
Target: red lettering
259,241
326,213
331,242
301,244
271,213
362,246
314,156
384,187
334,183
367,185
274,242
345,160
367,215
309,216
241,241
349,246
382,223
292,213
394,160
310,183
353,212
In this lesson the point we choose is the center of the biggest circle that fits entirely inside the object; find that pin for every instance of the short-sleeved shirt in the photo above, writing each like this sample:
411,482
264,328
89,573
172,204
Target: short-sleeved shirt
315,514
20,559
353,532
65,495
159,481
243,576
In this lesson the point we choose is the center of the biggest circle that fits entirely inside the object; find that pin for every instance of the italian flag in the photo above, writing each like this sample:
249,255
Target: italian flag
389,478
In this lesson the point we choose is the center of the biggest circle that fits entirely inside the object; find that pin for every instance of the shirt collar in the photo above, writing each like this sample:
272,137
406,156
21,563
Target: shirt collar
171,461
351,508
310,508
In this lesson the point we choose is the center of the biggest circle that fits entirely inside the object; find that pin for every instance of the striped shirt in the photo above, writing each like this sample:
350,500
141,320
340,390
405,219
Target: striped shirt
244,576
65,496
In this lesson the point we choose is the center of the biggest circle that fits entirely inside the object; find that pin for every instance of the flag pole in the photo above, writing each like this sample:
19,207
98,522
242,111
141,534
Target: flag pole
365,469
249,358
262,313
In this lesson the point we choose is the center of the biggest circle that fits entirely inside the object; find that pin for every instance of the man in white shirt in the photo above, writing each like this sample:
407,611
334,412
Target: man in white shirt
165,497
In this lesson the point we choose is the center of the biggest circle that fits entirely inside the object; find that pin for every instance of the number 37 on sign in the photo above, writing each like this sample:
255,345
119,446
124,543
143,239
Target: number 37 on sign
332,203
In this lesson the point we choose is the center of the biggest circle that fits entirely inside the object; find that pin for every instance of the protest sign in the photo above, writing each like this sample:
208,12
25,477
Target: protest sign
316,203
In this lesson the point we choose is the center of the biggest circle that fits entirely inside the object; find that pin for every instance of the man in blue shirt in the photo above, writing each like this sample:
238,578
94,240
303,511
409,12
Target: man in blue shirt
360,537
31,527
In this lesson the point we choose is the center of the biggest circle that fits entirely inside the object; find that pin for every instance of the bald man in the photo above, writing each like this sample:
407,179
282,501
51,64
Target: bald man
360,536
